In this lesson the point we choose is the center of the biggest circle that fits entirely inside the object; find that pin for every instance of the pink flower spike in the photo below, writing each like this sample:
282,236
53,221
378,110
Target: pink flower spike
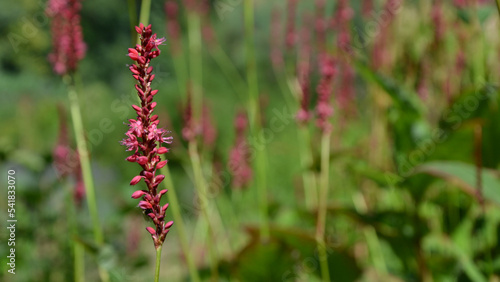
151,230
154,92
139,29
144,205
163,192
137,194
152,215
135,180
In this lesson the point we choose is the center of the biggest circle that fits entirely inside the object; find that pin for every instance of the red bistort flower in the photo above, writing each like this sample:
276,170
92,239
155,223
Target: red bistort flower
67,37
144,137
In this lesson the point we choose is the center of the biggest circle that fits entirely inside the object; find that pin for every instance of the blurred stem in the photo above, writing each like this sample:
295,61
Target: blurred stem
229,70
195,64
158,261
132,14
79,256
144,16
201,189
254,113
78,251
498,6
179,224
181,73
310,191
323,195
371,235
83,154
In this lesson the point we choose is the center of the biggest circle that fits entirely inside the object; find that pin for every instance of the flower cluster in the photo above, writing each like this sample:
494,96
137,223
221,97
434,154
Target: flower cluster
66,159
67,38
144,137
239,162
324,109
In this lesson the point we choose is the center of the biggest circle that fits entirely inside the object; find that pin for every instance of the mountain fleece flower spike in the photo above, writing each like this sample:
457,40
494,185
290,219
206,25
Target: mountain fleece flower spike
144,137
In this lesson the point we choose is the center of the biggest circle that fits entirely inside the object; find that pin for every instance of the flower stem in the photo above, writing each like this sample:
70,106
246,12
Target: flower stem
78,251
158,260
498,6
310,191
195,64
83,154
144,16
323,195
254,114
176,213
132,13
201,188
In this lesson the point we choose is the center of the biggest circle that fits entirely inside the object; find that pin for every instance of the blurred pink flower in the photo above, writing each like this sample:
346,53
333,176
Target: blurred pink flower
67,38
239,162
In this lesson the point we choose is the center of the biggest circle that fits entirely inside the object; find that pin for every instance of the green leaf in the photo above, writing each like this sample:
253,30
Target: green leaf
464,176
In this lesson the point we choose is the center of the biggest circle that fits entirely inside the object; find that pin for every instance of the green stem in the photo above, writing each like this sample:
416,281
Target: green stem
230,71
78,251
201,188
323,196
83,154
79,261
498,6
132,14
158,260
310,191
144,16
179,224
195,64
254,114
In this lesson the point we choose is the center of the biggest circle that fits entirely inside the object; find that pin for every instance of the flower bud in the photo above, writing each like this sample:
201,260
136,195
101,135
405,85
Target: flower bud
135,180
151,230
137,194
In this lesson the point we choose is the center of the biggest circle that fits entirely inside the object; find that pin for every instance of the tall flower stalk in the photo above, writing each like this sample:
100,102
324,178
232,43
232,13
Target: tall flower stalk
145,138
254,113
68,49
324,112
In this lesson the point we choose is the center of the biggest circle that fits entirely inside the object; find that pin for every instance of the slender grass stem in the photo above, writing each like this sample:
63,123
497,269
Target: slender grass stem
195,64
78,251
79,257
179,224
230,71
310,191
323,196
158,262
132,14
254,114
201,188
83,154
498,6
144,16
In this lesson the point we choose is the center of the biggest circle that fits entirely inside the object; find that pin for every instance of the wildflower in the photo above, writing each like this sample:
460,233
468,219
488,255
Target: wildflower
304,73
144,137
276,48
239,162
67,37
67,161
173,27
324,109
